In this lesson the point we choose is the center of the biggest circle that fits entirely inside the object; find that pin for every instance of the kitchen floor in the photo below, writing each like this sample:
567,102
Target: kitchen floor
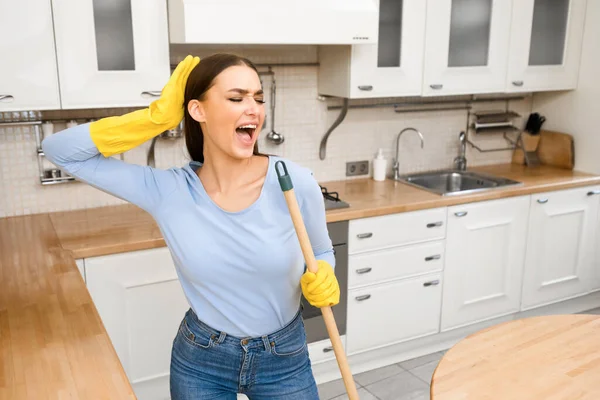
403,381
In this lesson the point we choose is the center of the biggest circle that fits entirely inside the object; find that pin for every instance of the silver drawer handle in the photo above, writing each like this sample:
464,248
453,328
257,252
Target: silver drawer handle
7,97
432,283
436,86
542,201
364,270
517,83
363,297
435,257
365,235
593,192
328,349
435,224
461,213
151,93
365,87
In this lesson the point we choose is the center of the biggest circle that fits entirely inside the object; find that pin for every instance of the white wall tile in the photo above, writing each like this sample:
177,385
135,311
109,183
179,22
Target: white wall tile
300,117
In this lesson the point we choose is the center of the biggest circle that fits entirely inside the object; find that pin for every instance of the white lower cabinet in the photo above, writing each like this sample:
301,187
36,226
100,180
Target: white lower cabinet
392,312
141,303
596,266
560,246
485,252
323,350
390,264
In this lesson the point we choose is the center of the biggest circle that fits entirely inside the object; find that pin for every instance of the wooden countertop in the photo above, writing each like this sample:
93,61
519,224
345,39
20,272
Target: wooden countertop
53,343
369,198
549,357
109,230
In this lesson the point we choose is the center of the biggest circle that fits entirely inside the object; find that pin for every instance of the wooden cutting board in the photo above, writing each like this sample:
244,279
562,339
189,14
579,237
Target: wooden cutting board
553,148
556,149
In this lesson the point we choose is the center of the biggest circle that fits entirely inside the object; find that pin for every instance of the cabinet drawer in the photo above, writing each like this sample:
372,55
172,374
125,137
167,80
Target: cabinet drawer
397,229
393,312
398,262
322,350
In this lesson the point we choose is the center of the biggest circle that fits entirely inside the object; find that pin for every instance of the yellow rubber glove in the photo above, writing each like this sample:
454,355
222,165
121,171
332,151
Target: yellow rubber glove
114,135
321,289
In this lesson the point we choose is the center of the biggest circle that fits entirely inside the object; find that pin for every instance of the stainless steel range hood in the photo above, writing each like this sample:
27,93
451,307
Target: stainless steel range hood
273,21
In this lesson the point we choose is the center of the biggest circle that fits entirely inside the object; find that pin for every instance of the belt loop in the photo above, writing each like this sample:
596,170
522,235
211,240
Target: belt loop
221,338
266,343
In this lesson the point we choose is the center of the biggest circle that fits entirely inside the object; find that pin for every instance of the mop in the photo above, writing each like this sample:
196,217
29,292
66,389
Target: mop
285,181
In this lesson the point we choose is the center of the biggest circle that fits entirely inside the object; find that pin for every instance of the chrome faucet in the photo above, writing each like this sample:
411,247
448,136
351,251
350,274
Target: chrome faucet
396,167
460,162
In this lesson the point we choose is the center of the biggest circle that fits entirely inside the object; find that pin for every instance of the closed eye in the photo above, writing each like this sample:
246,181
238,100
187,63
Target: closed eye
237,100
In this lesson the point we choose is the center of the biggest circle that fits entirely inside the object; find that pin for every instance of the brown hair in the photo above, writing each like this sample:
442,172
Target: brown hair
200,80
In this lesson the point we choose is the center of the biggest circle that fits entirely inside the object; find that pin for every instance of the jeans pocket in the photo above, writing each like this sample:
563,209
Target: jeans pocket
195,337
291,345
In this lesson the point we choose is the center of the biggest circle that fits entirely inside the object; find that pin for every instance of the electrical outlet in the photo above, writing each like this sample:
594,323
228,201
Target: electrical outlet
355,168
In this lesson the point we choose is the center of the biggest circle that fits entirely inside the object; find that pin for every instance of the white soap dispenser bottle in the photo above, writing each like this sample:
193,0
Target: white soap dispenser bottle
379,166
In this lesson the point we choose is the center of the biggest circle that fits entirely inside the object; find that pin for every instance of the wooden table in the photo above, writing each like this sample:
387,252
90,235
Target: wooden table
551,358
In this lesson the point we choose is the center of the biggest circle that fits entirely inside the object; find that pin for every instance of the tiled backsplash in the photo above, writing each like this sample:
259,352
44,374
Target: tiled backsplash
300,116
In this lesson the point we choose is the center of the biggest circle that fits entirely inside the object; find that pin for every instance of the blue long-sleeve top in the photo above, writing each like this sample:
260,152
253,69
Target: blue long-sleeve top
240,271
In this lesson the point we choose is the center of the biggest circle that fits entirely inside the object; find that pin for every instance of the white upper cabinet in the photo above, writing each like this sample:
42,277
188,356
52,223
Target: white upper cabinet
560,246
111,53
391,67
545,46
466,48
273,21
28,77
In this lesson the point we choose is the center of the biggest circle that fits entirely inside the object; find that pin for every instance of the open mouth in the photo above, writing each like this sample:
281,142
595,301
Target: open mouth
248,130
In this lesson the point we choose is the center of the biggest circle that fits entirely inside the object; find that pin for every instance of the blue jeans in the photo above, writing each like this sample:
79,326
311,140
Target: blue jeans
208,364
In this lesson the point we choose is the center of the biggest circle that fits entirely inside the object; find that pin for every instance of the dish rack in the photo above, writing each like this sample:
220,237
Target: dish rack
490,121
485,122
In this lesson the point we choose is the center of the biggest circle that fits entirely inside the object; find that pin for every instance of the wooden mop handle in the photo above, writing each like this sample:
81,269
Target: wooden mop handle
311,264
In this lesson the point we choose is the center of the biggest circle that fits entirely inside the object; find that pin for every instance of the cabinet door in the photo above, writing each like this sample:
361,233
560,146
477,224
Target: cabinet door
111,53
485,254
466,48
386,231
380,315
545,45
393,66
322,350
392,264
141,303
28,76
560,246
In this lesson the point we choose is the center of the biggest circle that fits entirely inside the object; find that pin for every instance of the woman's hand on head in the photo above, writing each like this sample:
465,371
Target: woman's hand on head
168,109
321,289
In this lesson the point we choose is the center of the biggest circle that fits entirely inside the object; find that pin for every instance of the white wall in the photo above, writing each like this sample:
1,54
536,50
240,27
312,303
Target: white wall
578,112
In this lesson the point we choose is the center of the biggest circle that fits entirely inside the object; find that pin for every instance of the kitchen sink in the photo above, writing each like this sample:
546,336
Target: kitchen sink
455,182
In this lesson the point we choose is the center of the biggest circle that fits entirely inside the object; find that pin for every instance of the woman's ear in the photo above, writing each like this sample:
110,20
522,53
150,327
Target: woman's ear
196,110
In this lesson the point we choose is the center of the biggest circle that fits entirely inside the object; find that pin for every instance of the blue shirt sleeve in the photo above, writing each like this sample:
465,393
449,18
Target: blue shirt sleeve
74,151
315,219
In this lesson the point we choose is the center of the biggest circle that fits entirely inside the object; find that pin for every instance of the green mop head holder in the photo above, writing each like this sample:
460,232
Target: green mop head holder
285,181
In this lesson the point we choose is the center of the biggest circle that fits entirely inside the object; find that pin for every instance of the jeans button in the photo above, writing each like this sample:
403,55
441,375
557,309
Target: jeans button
244,342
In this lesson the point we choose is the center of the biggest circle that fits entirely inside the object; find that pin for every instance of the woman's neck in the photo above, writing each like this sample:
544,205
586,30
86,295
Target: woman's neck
223,174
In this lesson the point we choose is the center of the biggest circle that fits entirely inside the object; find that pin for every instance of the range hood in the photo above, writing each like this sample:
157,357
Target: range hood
273,21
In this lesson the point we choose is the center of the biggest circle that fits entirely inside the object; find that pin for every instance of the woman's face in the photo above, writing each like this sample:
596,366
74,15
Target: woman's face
231,113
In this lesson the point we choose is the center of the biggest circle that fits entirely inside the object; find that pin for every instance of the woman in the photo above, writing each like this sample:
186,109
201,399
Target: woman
226,223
